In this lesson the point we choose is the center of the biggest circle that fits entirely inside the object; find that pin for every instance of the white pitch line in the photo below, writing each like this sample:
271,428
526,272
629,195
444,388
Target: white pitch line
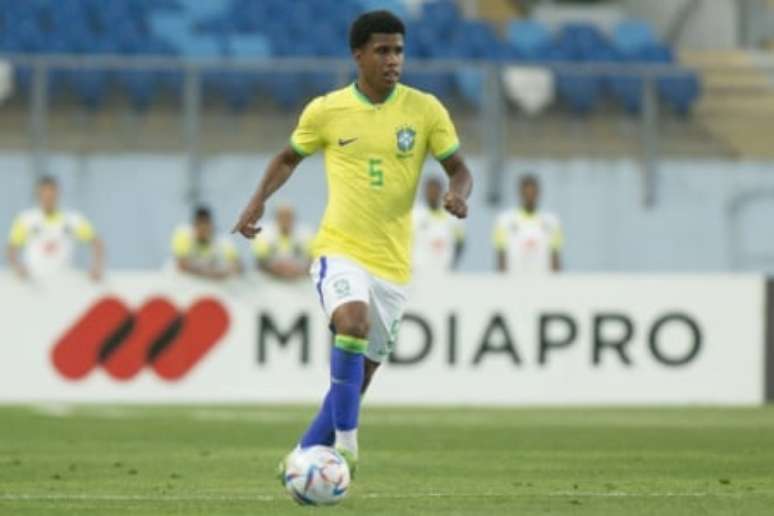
370,496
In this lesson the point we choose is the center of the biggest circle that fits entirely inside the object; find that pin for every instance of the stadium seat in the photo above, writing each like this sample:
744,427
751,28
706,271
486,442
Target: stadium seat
470,83
530,39
679,90
395,6
238,87
580,92
632,35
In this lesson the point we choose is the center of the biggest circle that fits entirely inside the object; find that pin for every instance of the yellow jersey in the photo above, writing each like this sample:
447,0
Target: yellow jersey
374,155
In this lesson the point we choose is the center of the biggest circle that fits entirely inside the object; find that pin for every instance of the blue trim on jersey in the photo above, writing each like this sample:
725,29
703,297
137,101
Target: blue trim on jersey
323,270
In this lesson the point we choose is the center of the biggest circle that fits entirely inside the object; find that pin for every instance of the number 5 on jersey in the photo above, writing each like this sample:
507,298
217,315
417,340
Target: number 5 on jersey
375,173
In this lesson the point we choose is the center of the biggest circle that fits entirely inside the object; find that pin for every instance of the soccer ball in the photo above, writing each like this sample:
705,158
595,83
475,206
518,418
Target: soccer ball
317,475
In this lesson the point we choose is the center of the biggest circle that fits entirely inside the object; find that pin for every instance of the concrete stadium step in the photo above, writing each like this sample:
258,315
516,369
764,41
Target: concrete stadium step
737,105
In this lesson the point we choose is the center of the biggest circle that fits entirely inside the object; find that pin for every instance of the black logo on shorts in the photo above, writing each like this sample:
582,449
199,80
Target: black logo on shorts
343,142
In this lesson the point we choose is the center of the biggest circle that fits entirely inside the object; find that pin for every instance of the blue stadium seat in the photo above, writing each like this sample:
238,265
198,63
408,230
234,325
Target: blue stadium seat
395,6
238,87
632,35
530,39
202,8
172,27
679,90
470,83
580,93
443,14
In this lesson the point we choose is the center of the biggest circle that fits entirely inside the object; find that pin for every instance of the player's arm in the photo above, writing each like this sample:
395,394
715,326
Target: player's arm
460,185
305,140
278,171
16,241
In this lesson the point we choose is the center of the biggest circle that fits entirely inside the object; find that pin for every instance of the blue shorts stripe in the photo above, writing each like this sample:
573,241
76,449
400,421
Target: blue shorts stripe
323,270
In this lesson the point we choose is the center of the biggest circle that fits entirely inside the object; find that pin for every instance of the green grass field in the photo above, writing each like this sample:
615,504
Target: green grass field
220,461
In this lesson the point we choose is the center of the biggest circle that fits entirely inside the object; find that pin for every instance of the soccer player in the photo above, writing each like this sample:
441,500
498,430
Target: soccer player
41,243
439,238
375,135
198,252
528,241
282,249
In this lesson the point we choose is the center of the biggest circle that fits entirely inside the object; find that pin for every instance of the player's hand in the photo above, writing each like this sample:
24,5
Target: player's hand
248,221
455,204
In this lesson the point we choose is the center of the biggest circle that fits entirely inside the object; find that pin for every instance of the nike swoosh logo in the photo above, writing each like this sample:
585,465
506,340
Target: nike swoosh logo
343,142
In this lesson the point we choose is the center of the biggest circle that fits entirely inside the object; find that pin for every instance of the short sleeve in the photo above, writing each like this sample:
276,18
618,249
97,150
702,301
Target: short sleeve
19,232
307,137
500,235
443,135
182,243
82,228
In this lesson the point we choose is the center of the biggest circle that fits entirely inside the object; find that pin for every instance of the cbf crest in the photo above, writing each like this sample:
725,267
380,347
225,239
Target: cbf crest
406,138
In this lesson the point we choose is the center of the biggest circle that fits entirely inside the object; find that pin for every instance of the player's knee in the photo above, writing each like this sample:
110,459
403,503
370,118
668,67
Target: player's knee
354,327
352,319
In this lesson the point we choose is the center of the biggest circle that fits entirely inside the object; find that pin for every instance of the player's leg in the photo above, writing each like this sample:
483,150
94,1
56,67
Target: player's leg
347,372
343,290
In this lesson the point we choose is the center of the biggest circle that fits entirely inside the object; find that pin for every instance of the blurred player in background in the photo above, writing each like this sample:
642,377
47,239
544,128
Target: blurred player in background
42,239
439,238
528,241
197,250
282,249
375,135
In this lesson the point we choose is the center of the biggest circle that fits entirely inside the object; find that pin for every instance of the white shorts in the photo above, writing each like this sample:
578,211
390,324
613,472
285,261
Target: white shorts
340,280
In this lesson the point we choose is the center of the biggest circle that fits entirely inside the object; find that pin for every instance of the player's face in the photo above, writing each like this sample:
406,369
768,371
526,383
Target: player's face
203,229
529,196
285,221
381,60
48,197
433,194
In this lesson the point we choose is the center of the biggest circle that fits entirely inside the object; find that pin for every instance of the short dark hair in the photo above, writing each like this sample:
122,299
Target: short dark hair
373,22
202,213
528,180
48,180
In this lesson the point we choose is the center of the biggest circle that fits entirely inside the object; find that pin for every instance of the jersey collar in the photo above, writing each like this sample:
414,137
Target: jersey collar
362,98
526,215
51,218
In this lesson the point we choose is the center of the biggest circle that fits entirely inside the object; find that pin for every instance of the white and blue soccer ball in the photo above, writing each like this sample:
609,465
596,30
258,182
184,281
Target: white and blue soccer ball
317,475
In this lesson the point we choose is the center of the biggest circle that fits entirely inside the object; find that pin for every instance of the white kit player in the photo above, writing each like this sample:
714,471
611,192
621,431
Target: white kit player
42,239
528,241
439,238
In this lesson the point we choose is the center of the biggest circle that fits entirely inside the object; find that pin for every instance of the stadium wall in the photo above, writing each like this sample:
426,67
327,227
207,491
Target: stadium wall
570,340
709,215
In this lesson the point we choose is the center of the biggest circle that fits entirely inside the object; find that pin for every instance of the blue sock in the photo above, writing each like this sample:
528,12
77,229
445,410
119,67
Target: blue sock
347,370
321,431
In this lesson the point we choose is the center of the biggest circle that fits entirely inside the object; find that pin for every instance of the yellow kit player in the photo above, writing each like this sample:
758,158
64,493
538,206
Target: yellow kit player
375,135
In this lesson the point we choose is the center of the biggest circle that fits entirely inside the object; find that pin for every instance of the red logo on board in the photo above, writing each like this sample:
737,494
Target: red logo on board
157,335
